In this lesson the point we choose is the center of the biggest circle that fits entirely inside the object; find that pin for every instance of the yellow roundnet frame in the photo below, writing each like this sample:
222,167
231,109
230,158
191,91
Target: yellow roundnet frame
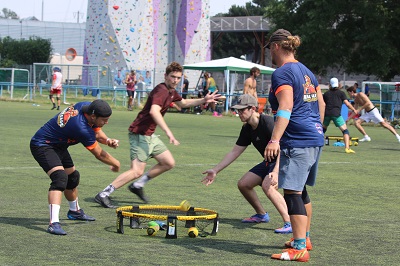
167,213
127,212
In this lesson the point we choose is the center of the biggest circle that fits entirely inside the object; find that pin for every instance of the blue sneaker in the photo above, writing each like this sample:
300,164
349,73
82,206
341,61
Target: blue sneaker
55,228
257,218
79,215
286,229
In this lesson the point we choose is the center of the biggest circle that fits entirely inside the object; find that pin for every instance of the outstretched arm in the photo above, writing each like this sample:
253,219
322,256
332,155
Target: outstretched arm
227,160
105,157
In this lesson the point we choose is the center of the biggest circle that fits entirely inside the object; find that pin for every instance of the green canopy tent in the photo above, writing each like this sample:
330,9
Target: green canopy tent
229,65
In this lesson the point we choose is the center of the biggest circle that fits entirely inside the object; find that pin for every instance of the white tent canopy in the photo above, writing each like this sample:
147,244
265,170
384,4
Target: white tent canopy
228,65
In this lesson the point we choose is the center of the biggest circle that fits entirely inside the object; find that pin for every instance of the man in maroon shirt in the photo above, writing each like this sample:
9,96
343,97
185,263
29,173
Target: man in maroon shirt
144,144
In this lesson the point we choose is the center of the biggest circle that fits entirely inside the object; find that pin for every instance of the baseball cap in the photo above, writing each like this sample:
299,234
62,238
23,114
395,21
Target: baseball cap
99,108
57,69
334,82
245,100
278,35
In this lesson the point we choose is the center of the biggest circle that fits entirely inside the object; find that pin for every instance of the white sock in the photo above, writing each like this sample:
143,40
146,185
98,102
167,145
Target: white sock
366,136
107,191
74,205
397,136
142,180
54,213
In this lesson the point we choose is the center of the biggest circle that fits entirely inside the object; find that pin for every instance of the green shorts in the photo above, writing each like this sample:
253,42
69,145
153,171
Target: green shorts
145,147
337,120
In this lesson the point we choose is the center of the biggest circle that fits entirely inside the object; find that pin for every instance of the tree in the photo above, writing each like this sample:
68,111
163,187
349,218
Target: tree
357,36
8,13
24,52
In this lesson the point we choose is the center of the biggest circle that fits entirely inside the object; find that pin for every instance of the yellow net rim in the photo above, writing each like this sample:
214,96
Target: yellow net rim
126,211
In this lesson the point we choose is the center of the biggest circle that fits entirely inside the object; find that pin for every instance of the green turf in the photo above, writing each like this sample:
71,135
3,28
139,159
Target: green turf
355,200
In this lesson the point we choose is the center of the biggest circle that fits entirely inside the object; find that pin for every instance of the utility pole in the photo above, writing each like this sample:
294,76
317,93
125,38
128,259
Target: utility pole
42,8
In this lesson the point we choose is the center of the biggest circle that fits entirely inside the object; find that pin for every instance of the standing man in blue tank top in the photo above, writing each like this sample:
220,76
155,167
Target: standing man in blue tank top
297,103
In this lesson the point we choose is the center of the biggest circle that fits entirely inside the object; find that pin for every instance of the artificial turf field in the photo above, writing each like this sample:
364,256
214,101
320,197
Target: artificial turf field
355,202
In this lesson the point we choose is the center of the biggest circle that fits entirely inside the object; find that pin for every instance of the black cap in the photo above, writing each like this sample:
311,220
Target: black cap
99,108
277,36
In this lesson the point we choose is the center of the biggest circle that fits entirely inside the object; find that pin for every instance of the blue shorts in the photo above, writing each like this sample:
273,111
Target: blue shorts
262,169
298,167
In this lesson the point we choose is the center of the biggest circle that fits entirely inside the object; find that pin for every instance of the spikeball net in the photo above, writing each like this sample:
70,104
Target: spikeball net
168,217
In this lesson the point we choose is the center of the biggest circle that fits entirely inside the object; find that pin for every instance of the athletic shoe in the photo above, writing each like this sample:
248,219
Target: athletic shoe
139,192
53,108
104,201
289,244
55,229
292,254
79,215
286,229
365,139
257,218
349,151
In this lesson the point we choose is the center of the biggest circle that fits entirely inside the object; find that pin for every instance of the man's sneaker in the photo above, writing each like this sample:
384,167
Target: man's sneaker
257,218
104,201
79,215
365,139
55,228
292,254
139,192
289,244
286,229
349,151
53,108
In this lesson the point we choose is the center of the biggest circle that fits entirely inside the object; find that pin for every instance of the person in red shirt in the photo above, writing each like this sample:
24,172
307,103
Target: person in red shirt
144,144
130,82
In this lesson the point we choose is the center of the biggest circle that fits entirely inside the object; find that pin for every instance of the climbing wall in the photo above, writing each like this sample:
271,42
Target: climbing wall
145,34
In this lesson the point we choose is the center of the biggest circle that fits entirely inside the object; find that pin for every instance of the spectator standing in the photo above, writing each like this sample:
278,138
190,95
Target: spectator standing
250,84
56,88
130,82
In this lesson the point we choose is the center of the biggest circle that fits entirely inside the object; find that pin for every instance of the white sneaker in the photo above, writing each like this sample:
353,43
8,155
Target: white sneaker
366,138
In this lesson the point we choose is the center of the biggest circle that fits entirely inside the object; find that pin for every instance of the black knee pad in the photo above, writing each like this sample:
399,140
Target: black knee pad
305,197
73,180
50,97
295,204
59,180
58,98
346,131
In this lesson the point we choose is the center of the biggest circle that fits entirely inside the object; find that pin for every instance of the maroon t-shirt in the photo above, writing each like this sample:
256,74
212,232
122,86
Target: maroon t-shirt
160,95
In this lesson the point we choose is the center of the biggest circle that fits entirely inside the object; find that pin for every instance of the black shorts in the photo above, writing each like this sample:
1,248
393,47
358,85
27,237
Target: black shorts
262,169
130,93
49,157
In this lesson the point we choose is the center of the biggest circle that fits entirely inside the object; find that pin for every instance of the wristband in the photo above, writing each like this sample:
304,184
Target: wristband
107,140
273,141
284,114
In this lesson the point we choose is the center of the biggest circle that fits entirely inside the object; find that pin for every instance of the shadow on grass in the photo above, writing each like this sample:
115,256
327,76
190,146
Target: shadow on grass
39,224
117,202
237,224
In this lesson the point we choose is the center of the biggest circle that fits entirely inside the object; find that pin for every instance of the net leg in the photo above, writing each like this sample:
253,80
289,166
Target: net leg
120,222
134,222
190,223
215,227
171,227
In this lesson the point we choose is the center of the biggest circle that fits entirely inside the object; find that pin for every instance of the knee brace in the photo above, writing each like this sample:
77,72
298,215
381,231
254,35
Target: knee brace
59,180
50,97
58,98
305,197
73,180
295,204
346,131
